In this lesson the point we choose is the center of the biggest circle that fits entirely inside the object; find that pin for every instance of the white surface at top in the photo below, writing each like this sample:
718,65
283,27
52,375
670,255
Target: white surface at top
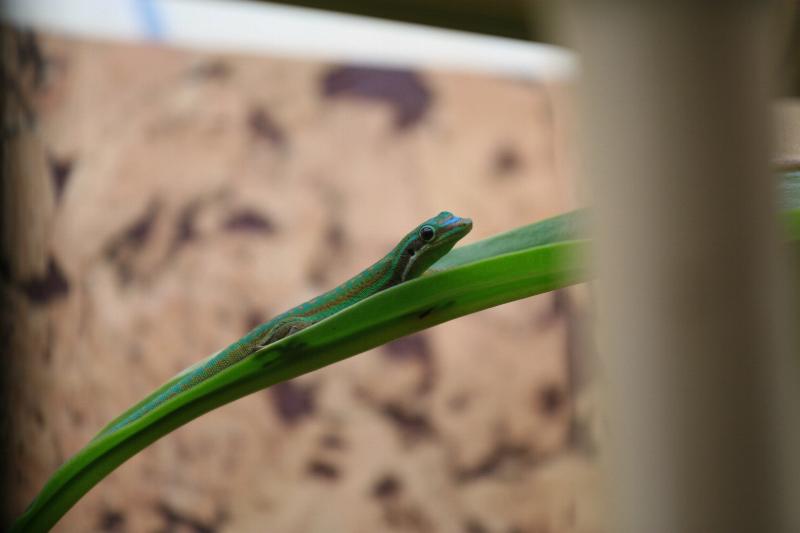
240,26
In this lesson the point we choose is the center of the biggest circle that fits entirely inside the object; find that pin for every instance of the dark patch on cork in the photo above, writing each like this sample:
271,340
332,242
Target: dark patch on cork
506,161
473,525
137,233
263,126
558,310
415,348
248,221
412,425
53,284
215,69
561,303
332,441
323,470
292,401
403,90
412,347
112,521
387,486
550,399
335,236
175,520
121,249
502,455
185,230
60,172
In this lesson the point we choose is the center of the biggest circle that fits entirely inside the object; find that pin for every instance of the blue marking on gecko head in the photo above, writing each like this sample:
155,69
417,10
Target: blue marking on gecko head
453,219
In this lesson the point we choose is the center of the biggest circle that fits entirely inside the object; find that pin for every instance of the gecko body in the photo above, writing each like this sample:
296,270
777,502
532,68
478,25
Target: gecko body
409,259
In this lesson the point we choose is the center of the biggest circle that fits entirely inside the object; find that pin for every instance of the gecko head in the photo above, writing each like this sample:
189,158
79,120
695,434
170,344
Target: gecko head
429,241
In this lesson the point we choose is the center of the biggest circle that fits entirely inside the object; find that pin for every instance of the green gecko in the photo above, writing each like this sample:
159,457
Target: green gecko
412,256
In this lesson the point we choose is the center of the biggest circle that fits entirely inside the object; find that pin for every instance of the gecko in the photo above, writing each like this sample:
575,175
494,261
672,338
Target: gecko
409,259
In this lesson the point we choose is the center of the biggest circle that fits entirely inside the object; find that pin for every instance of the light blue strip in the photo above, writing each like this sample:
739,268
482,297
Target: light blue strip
452,220
151,19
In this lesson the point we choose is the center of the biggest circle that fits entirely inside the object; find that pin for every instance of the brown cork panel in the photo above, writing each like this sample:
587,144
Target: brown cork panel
164,202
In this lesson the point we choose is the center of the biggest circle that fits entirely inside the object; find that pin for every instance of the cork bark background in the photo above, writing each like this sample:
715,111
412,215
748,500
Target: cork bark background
158,203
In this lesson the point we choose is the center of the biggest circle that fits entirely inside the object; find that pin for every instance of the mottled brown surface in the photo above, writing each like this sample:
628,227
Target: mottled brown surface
163,202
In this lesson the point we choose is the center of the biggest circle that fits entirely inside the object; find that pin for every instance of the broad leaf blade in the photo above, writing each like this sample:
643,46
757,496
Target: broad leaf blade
404,309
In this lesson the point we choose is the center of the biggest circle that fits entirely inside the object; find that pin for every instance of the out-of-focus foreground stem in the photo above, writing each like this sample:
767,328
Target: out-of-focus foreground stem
693,295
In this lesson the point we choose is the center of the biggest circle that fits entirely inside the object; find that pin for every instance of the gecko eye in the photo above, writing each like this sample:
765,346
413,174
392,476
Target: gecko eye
427,233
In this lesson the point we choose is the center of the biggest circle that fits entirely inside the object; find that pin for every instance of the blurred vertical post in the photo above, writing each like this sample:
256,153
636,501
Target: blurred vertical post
693,295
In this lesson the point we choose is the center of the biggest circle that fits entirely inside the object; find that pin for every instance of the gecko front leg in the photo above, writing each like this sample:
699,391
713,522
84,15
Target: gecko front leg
284,328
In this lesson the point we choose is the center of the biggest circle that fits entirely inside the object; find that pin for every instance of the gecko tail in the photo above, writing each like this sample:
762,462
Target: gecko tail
185,380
